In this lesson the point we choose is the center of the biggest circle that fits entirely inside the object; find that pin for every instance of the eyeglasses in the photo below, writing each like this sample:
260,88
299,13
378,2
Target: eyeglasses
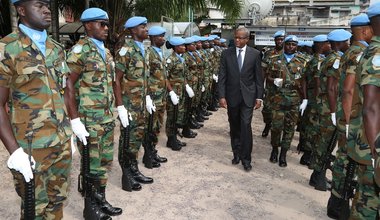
240,38
103,23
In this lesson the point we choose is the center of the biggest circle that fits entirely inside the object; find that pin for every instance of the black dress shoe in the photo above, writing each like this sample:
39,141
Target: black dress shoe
247,166
236,160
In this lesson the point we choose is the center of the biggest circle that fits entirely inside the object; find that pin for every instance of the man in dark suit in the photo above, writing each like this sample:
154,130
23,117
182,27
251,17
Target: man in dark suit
241,91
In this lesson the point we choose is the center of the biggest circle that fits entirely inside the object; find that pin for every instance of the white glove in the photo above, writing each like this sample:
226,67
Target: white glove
189,91
215,77
347,129
333,118
174,97
150,107
203,88
278,82
19,161
303,106
123,115
79,130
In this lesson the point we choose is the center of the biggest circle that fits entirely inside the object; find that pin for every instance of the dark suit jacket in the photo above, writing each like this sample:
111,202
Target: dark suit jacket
247,85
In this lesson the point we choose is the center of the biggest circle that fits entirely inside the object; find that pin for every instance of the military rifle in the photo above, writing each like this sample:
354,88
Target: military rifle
29,193
329,158
348,189
149,137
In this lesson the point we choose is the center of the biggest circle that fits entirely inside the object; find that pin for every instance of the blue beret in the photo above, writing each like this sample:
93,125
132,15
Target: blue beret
196,38
308,43
222,40
373,10
279,34
16,1
291,38
320,38
360,20
210,37
216,37
204,38
135,21
189,40
156,30
339,35
91,14
301,43
176,41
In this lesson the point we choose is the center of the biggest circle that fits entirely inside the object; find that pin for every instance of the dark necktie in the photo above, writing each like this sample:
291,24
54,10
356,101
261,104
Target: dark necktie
240,60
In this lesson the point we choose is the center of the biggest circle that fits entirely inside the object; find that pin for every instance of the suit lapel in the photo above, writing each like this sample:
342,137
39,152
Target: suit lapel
234,58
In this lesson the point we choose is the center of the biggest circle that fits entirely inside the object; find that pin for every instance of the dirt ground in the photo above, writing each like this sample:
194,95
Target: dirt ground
199,182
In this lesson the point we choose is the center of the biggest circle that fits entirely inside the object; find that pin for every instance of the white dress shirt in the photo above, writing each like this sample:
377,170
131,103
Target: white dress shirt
242,53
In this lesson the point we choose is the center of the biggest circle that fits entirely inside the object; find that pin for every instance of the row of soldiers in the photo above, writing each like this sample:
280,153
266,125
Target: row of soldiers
333,94
51,96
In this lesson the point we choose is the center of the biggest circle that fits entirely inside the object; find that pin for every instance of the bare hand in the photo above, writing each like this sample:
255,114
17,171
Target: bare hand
223,103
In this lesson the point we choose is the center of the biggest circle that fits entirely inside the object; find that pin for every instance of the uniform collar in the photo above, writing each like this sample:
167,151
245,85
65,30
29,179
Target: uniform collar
38,37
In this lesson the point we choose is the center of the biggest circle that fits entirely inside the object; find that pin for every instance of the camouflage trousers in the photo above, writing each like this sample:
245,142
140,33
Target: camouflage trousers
136,131
172,112
197,95
158,121
267,110
100,143
366,203
310,128
326,130
51,177
283,126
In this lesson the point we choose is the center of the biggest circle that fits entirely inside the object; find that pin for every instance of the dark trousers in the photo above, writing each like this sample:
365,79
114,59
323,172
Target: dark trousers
240,118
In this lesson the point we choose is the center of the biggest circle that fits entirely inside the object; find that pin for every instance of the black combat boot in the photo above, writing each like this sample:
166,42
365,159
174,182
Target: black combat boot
188,133
148,160
128,183
266,130
282,159
181,143
274,155
305,159
172,143
334,207
137,175
193,124
320,181
92,210
157,157
313,179
106,206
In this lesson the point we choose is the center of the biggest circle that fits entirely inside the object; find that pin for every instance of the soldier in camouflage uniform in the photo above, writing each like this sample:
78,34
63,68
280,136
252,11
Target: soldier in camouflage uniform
213,105
347,110
285,72
309,111
269,87
192,80
157,86
327,106
33,73
202,64
205,88
366,203
176,67
89,96
131,91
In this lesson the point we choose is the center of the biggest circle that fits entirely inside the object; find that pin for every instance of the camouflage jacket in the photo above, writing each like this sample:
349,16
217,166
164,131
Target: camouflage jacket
369,70
311,70
348,64
157,77
201,67
264,63
94,86
291,73
192,69
130,61
176,73
329,67
36,84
